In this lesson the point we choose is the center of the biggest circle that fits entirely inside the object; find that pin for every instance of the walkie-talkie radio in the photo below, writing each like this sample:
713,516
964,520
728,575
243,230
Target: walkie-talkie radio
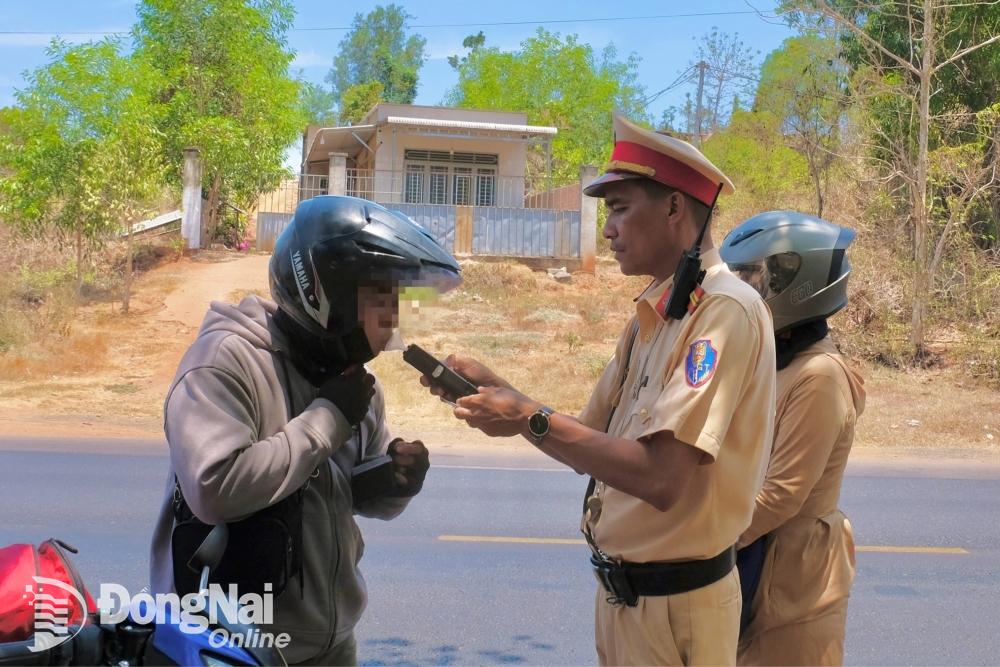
454,385
689,274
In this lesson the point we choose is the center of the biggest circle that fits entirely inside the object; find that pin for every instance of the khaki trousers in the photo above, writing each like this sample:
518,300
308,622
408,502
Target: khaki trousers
700,627
819,641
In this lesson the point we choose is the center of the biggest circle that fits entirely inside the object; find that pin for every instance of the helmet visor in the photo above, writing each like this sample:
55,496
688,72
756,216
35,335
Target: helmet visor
770,276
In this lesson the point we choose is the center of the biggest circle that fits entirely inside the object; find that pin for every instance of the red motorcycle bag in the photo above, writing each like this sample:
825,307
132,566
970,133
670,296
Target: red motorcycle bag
21,593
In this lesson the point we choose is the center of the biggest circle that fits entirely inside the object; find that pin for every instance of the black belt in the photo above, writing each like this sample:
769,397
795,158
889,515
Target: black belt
627,582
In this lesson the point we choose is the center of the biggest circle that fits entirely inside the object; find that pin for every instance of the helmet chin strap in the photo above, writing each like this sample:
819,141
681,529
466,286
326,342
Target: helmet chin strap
320,358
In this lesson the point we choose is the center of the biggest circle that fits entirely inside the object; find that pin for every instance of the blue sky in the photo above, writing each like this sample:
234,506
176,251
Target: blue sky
665,45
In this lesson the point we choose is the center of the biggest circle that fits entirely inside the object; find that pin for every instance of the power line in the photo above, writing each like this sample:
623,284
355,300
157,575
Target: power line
587,20
683,78
434,25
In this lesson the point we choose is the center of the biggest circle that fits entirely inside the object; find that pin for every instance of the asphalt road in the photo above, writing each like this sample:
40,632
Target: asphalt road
441,595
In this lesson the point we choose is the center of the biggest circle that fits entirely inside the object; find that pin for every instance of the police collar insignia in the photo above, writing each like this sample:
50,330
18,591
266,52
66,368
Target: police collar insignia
702,359
696,298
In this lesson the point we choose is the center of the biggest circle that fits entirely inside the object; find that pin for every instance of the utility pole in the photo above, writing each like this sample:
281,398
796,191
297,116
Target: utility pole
702,66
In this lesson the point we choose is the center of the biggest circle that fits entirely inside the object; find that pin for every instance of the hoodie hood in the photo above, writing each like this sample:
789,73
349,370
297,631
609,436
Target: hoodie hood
252,319
857,384
854,380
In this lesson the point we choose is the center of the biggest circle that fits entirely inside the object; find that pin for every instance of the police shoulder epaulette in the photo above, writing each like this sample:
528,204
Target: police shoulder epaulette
696,297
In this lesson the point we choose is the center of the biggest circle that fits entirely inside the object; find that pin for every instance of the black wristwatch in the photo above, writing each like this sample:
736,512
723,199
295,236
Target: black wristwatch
538,424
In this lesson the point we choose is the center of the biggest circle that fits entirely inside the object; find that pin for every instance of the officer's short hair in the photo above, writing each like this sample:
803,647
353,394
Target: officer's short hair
657,190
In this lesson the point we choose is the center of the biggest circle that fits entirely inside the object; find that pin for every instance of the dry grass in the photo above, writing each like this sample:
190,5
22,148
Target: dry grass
927,409
67,353
554,340
551,340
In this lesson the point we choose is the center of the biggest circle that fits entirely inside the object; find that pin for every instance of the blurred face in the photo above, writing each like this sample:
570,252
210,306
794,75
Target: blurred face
770,276
378,312
644,232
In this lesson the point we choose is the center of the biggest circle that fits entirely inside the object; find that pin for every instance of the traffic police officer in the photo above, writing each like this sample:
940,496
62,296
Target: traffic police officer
798,615
677,430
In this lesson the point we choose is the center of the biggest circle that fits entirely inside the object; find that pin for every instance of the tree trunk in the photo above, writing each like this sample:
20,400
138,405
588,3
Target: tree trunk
79,261
128,270
814,170
213,209
993,197
920,201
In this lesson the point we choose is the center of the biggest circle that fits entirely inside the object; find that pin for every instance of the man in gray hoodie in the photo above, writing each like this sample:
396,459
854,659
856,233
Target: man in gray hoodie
272,398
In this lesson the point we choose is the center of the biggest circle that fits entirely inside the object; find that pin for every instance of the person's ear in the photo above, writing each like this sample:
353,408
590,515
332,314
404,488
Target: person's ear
676,203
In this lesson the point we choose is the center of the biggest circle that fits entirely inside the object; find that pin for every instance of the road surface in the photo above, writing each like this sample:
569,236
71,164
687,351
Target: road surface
486,566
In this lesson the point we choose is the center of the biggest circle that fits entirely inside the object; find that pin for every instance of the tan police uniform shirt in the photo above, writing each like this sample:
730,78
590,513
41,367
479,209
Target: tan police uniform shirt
800,608
709,379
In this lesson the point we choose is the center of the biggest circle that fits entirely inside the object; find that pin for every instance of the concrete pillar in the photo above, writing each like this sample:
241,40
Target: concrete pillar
337,181
588,222
191,199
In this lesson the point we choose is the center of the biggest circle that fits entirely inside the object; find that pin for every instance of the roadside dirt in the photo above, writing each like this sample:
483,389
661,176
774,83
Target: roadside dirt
119,394
117,391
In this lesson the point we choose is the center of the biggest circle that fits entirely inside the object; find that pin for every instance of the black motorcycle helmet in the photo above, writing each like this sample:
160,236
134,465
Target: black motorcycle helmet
332,246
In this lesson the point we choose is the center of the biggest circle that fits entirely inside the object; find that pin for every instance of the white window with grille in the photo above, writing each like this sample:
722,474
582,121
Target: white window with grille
438,193
446,177
462,192
486,185
414,185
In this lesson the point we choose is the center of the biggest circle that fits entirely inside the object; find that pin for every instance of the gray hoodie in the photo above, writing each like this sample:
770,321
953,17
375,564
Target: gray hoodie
245,430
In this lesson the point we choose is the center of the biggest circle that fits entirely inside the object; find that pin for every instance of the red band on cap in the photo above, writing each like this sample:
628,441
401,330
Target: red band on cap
667,170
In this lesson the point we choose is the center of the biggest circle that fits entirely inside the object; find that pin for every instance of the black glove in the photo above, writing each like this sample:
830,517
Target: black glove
410,462
351,392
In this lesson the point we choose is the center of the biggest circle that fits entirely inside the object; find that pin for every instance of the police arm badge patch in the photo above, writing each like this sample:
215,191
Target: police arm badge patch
702,360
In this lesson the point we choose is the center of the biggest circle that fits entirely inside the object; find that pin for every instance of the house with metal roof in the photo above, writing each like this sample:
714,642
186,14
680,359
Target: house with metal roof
479,181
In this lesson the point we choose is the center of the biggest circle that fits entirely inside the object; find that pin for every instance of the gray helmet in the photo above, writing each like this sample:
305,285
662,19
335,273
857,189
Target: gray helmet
796,261
335,244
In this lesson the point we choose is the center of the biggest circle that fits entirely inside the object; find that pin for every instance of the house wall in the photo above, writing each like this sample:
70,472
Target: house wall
394,141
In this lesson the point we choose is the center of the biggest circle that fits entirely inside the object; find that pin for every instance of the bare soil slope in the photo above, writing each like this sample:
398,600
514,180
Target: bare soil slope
549,338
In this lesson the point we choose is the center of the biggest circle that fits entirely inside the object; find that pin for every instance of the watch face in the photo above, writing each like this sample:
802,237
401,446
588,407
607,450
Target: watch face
538,424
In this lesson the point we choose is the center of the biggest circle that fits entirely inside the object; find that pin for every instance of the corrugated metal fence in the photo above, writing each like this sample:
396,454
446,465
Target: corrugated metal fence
463,230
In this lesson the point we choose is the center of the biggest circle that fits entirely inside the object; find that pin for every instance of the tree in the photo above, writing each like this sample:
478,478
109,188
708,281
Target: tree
558,82
472,42
132,160
358,100
961,175
82,155
223,72
730,69
753,149
377,49
929,42
318,104
803,83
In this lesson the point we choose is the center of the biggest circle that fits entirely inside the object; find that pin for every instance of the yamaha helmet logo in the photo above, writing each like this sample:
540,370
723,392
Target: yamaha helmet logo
302,278
310,288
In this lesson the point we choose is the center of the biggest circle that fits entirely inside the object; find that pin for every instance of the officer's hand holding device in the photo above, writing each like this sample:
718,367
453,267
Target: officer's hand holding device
450,385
